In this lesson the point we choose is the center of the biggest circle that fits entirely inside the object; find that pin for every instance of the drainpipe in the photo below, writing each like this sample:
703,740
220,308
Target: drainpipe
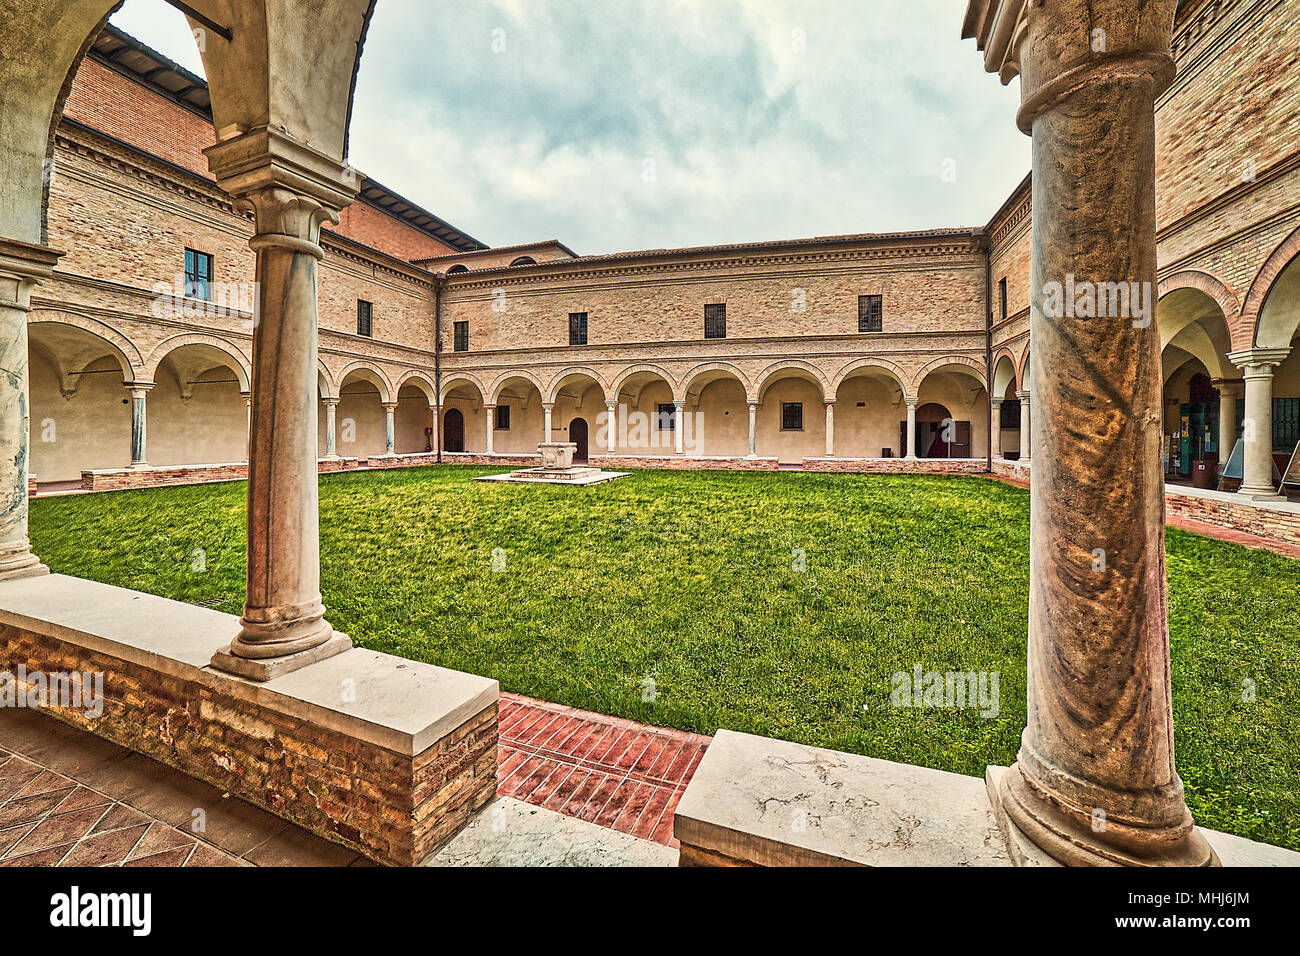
437,359
982,239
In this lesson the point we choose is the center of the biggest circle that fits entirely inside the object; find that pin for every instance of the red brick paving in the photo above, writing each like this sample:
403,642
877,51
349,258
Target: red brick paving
613,772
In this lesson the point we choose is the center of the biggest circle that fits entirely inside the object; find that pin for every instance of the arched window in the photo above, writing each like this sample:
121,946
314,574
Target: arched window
524,261
457,270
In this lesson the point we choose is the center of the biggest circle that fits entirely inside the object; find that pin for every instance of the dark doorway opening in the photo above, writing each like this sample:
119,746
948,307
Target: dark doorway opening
578,435
453,430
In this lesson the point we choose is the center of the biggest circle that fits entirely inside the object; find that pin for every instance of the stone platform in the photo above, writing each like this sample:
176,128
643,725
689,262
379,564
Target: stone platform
760,802
572,475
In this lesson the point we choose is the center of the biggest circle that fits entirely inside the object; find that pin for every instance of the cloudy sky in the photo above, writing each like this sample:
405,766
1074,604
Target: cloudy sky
629,124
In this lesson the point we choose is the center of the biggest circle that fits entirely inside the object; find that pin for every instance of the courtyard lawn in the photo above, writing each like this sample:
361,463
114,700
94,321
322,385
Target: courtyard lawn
675,599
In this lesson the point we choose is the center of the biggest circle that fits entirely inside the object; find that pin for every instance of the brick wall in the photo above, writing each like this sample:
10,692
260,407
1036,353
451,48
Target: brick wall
393,808
899,466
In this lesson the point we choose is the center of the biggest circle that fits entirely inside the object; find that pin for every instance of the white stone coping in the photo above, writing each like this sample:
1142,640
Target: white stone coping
773,802
203,466
633,454
401,705
917,461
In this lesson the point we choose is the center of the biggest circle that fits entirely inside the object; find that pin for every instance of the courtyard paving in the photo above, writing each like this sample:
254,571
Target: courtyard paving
575,789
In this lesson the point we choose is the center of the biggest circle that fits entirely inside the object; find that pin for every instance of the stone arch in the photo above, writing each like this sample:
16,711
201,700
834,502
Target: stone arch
1024,375
416,379
118,345
325,383
773,372
370,372
1212,287
725,368
1004,358
616,386
1264,331
238,362
455,379
857,365
505,377
976,370
559,378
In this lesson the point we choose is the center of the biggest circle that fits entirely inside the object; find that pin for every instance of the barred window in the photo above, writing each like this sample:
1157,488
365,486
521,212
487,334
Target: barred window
1010,411
871,313
1002,295
792,416
1286,424
715,321
577,328
503,418
666,419
461,343
198,275
365,313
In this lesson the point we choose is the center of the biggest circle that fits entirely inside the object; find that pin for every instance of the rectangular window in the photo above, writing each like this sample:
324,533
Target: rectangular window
1002,296
461,337
871,312
666,419
715,321
365,313
503,418
1286,424
577,328
198,275
792,416
1010,413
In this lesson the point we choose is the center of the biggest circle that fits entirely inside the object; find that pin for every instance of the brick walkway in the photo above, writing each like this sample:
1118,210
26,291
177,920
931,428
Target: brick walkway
605,770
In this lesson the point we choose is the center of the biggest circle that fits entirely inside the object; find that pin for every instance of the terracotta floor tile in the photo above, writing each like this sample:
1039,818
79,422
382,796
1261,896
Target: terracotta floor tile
53,831
105,849
47,857
26,809
167,858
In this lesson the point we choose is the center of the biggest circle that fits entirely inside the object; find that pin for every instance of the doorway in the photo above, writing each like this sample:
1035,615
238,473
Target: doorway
578,435
453,430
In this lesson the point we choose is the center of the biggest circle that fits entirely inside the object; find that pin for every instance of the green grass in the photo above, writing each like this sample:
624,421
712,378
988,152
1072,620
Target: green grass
687,580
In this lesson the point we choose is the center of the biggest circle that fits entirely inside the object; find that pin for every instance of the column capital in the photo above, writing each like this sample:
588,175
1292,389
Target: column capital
138,389
389,406
23,266
752,402
911,402
489,405
829,402
1061,48
291,189
1024,395
548,406
330,402
1229,385
1258,361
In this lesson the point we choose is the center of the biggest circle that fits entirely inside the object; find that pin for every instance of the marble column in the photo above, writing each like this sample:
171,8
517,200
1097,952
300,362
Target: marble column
753,429
291,191
911,429
1026,432
22,268
1229,391
331,427
390,429
490,422
995,425
611,416
1257,429
1094,782
248,418
546,428
139,423
679,428
830,429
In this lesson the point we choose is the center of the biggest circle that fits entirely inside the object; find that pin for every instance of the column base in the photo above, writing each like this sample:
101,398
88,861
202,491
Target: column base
1268,493
269,668
1038,834
20,562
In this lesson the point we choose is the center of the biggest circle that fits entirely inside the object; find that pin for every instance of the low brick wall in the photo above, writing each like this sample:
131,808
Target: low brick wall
1014,470
898,466
685,463
475,458
1280,524
395,808
31,485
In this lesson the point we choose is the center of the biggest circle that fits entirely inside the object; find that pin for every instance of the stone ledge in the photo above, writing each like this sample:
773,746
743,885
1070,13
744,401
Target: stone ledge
387,756
760,802
898,466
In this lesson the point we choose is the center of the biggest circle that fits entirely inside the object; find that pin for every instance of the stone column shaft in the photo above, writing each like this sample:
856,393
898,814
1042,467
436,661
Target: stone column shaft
830,429
995,441
390,428
911,429
1094,782
1026,431
753,429
22,268
331,426
546,412
679,428
1228,392
489,414
611,411
139,423
1257,430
